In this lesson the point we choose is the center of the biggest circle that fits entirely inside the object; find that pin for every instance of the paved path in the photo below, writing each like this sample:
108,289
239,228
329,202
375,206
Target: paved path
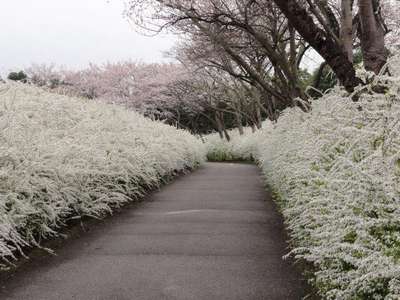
209,235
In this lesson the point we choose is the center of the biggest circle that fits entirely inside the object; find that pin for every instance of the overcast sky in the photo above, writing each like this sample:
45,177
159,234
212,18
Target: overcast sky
71,33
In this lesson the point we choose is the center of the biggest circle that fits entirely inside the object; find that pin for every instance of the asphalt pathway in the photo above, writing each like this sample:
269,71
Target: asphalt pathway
213,234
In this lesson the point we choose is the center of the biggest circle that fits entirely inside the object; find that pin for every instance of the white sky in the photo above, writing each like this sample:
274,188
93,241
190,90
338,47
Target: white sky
71,33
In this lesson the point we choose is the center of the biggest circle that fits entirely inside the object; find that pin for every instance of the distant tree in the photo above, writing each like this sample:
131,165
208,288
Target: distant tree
45,75
167,92
18,76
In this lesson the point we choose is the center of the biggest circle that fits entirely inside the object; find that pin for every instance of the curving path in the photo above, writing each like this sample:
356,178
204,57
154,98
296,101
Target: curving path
209,235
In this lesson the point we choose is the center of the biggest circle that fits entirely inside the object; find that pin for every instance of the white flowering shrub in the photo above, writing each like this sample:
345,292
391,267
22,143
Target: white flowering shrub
336,175
63,158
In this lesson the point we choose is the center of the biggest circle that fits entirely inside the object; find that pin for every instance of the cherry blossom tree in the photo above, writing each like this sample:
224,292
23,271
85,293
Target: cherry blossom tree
168,92
328,26
239,31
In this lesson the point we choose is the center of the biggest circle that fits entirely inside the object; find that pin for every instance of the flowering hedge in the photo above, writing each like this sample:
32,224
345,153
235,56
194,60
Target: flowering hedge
335,173
63,158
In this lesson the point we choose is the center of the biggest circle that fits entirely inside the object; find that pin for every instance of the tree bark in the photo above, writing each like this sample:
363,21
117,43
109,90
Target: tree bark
323,43
258,116
227,136
282,66
346,31
219,118
253,127
372,36
238,116
237,58
219,125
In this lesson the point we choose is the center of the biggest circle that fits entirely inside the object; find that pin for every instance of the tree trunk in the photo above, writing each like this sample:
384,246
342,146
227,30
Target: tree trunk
219,118
296,88
258,114
239,122
253,128
322,42
372,36
238,59
282,66
219,125
346,31
227,136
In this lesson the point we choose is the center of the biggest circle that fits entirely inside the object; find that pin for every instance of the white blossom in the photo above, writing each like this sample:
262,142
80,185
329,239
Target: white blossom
335,173
63,158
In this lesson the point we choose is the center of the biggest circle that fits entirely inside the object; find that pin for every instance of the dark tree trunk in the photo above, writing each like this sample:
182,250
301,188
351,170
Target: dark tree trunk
227,136
219,118
239,122
346,31
258,115
372,36
253,127
219,125
324,44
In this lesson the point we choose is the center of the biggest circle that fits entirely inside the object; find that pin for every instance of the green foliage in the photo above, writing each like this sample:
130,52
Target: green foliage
350,237
358,58
18,76
326,81
218,156
305,78
221,156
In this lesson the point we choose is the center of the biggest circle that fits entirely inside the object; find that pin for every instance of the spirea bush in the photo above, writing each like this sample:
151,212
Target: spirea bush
63,158
335,173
